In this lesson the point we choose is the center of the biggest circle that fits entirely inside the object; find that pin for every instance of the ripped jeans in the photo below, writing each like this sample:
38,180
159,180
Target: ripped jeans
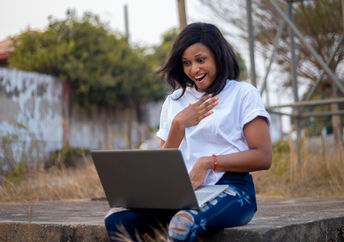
233,207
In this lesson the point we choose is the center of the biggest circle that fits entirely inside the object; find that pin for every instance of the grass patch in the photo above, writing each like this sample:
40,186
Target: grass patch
55,183
317,176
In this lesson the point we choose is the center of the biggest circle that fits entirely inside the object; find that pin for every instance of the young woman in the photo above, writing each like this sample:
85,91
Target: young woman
222,129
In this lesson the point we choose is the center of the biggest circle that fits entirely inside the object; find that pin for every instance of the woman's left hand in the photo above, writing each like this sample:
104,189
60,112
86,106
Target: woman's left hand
198,171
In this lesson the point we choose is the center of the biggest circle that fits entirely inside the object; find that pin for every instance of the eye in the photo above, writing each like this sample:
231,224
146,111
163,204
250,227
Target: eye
185,63
201,60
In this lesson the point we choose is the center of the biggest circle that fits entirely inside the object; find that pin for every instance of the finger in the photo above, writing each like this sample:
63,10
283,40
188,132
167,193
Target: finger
193,185
206,114
204,98
212,101
209,105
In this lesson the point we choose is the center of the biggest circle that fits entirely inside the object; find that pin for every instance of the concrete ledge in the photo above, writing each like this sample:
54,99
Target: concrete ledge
51,232
296,219
324,230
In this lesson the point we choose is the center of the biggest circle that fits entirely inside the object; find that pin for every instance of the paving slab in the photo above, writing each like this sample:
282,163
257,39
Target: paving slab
277,219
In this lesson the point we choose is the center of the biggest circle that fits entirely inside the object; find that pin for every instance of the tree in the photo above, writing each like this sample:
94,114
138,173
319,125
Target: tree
317,20
98,66
161,51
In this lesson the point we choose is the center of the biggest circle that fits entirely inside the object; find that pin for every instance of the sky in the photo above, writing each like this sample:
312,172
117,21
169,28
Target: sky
148,19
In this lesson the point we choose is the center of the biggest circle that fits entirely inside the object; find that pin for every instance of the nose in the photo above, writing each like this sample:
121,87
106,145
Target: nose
195,69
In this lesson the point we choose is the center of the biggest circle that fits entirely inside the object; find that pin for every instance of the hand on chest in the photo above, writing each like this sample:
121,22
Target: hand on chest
224,120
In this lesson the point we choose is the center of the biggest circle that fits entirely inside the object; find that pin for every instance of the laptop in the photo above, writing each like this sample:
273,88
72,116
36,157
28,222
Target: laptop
149,179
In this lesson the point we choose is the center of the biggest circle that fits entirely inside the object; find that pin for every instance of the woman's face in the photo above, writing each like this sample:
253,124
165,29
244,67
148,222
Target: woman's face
199,65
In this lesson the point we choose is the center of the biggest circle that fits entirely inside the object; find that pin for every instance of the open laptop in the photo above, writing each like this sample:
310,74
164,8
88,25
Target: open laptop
150,179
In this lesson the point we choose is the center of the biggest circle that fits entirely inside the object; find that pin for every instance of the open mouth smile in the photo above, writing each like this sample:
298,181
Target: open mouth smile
200,77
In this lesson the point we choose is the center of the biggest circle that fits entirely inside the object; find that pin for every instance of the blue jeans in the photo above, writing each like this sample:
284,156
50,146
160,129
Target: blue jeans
233,207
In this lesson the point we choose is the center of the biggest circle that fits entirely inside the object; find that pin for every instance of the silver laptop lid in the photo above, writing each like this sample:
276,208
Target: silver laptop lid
151,179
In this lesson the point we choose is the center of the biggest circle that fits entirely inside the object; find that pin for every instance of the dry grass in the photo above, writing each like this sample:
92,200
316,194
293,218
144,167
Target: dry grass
54,184
317,176
157,235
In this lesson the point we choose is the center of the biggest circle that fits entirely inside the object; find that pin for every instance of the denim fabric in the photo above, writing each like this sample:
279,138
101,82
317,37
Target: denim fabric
231,208
235,206
136,222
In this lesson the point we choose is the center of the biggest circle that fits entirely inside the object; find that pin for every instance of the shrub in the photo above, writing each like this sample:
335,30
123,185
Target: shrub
68,156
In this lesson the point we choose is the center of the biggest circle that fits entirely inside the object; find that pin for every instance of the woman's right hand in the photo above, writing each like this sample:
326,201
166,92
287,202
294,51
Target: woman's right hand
197,111
189,116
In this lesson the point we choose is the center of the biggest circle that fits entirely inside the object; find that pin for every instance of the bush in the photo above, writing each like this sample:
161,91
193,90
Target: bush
280,158
68,156
15,155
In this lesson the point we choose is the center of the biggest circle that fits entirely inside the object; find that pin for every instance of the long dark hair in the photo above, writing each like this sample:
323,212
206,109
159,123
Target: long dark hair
208,34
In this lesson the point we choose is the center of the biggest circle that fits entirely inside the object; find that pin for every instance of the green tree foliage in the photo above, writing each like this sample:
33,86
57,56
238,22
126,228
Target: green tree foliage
242,67
161,51
100,65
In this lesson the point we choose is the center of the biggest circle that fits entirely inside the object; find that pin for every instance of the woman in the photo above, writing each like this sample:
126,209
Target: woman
221,127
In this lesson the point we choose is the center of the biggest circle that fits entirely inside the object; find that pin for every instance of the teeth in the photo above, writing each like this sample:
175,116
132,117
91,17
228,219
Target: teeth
199,77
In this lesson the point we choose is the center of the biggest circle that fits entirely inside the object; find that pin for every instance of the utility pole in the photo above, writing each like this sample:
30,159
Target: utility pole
251,42
181,14
128,112
297,120
126,22
343,12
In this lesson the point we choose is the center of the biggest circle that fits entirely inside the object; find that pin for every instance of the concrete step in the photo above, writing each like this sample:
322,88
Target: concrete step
277,219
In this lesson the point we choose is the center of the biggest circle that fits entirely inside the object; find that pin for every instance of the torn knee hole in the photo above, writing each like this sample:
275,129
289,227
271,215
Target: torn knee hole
182,221
181,225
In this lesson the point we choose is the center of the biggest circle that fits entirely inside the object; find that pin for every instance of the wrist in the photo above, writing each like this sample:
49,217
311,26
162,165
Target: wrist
177,124
215,164
208,162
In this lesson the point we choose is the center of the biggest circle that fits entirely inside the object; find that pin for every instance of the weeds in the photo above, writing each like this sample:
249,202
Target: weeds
315,177
157,235
67,157
54,184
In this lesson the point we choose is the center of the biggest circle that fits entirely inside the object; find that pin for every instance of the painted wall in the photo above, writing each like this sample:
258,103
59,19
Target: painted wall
31,118
30,109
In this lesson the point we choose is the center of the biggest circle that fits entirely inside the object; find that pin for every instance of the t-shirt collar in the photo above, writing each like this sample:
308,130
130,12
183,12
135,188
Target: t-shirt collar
196,94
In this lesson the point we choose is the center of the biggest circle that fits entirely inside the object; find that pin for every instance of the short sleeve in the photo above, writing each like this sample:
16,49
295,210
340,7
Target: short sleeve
252,107
165,121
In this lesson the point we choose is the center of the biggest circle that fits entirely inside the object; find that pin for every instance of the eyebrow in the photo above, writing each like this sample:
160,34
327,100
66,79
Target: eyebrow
198,55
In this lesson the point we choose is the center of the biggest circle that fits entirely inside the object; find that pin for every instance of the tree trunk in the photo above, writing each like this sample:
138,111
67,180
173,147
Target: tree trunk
66,113
129,121
140,111
181,14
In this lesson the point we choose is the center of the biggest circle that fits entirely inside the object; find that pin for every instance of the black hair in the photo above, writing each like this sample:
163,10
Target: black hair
208,34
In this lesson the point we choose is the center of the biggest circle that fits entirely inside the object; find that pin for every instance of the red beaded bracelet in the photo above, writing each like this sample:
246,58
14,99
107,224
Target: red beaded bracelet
215,163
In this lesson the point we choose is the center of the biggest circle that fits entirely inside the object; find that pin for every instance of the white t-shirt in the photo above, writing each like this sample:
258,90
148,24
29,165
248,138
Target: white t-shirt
221,132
